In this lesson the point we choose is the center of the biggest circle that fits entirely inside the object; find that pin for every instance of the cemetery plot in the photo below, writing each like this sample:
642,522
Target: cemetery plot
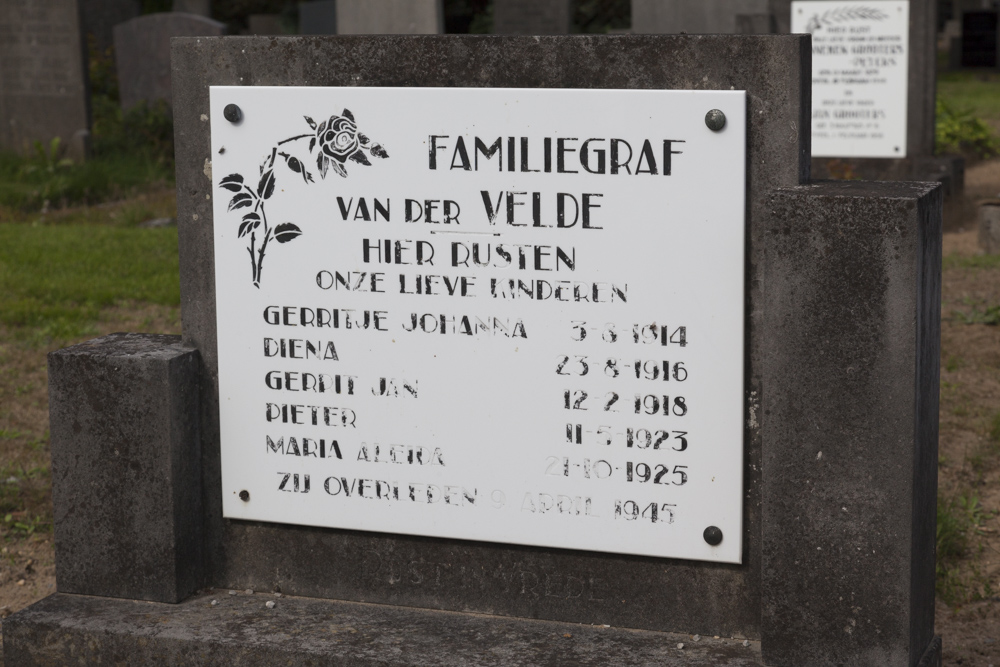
503,315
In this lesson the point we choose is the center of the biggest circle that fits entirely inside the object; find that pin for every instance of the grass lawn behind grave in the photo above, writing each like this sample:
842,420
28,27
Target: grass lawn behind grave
65,276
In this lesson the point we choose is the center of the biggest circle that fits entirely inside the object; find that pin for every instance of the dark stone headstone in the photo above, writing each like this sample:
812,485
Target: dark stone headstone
101,16
43,81
390,17
698,17
318,18
142,53
532,17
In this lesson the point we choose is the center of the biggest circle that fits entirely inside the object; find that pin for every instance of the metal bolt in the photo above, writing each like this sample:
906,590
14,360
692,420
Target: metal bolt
245,496
715,119
234,115
713,536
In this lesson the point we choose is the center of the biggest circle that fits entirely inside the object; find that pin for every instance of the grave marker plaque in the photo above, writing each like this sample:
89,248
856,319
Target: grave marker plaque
490,314
860,69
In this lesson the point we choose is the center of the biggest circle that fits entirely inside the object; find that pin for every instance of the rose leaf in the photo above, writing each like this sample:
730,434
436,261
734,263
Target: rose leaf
285,232
232,182
242,200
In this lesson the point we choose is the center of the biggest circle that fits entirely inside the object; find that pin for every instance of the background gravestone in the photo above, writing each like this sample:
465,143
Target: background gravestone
318,18
922,85
101,16
390,17
531,17
142,53
693,16
43,81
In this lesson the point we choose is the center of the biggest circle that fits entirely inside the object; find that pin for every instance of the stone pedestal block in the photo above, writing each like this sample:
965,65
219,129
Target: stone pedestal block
853,301
126,467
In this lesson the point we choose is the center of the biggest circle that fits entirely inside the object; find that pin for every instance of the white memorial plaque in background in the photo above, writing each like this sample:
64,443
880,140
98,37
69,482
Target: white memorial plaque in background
859,64
503,315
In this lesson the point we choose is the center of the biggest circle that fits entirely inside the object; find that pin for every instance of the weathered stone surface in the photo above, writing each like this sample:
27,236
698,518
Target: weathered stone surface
390,17
241,630
702,17
948,170
126,472
532,17
710,599
142,53
43,80
853,275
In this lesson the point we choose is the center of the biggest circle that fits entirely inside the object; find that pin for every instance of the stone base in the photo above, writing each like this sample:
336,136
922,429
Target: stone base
948,170
241,630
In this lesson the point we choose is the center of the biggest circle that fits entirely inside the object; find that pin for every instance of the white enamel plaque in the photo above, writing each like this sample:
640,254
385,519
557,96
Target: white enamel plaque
488,314
860,63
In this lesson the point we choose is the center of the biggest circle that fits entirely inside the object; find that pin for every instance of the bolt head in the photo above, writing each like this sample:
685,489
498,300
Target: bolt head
715,120
244,495
232,113
713,536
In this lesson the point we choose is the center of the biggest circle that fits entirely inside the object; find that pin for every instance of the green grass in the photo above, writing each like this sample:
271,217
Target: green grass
958,521
972,262
978,92
30,183
55,279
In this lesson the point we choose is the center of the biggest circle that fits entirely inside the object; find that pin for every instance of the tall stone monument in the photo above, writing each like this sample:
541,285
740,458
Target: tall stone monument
532,17
389,17
43,81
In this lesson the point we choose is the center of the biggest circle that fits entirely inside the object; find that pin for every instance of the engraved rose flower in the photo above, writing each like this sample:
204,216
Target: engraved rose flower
337,139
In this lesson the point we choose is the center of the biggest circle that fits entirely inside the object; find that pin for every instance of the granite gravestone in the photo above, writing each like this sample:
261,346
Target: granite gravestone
142,53
839,463
389,17
532,17
43,82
